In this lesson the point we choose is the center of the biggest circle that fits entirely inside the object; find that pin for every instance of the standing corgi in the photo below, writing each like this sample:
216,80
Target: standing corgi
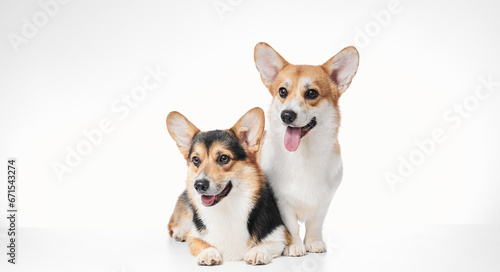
301,153
228,210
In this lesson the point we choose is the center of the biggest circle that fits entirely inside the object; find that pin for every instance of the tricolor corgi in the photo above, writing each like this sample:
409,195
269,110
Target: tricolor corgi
301,153
228,210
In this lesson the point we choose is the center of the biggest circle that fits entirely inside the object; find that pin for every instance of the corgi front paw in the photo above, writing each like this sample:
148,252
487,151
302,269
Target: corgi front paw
316,247
178,234
295,250
257,257
209,256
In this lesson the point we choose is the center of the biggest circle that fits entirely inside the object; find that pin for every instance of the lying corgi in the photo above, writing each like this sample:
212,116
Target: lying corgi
228,210
301,153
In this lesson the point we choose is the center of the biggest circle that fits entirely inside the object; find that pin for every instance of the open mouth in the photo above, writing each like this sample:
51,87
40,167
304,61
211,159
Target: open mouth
294,134
211,200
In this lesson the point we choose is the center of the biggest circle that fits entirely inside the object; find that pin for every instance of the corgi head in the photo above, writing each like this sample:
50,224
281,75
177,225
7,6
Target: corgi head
305,97
219,161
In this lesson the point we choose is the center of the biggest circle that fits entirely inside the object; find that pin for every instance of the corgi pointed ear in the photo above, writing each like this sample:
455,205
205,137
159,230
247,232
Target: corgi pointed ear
342,67
182,131
250,129
268,62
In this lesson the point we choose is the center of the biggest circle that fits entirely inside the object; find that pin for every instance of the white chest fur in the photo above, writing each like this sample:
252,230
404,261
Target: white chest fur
307,178
226,225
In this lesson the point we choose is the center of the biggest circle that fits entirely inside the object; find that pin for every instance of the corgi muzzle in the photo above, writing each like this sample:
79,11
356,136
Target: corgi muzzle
294,134
202,186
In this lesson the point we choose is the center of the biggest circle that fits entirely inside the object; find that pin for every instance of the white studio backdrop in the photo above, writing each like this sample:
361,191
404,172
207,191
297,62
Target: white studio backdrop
86,86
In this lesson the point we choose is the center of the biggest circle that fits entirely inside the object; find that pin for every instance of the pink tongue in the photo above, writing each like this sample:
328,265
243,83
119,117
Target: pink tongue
292,138
207,200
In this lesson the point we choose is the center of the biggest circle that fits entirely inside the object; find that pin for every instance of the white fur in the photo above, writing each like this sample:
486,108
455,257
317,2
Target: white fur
227,230
209,256
287,82
277,235
304,181
180,233
214,188
271,246
226,222
297,105
306,82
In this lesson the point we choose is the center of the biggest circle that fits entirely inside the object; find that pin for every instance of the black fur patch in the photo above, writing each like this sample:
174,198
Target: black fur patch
225,137
198,223
265,216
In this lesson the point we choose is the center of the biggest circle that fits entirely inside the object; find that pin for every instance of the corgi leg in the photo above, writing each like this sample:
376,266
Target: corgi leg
314,236
181,220
205,253
263,253
272,246
296,248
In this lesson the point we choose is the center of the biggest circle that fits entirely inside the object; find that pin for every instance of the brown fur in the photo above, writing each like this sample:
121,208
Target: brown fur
288,237
182,215
197,245
320,81
257,154
248,170
234,168
251,176
336,147
323,80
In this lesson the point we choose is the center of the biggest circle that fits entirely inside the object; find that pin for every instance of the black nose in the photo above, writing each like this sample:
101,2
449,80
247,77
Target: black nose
288,116
201,185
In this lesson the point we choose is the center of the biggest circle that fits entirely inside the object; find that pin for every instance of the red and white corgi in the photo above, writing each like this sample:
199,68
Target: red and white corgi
228,210
301,153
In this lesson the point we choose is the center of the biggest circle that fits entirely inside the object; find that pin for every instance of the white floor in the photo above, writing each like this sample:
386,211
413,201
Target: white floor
430,248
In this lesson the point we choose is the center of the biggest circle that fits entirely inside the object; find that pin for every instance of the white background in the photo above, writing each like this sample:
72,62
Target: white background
414,67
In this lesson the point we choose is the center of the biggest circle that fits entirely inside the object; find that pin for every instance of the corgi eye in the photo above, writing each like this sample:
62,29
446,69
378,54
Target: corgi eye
283,92
311,94
196,161
223,159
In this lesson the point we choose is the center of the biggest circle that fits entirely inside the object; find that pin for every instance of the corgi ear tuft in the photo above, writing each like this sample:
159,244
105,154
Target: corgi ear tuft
182,131
342,67
250,129
268,62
